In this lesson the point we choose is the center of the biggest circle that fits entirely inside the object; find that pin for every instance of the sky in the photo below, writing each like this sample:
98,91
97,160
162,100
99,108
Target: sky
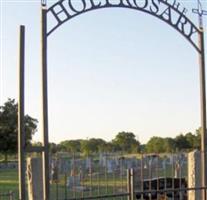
109,70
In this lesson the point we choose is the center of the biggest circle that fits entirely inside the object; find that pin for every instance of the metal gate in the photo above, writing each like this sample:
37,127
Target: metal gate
59,12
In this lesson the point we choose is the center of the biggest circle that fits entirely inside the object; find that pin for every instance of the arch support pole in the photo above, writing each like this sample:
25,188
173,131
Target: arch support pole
21,130
45,153
203,113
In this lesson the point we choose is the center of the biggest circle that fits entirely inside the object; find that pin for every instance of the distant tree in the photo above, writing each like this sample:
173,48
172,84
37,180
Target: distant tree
143,148
169,145
87,147
93,145
9,128
53,148
197,142
126,142
182,143
110,147
36,144
71,146
155,145
100,145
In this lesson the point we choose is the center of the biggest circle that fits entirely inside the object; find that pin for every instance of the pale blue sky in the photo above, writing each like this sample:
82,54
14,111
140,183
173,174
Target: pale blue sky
108,71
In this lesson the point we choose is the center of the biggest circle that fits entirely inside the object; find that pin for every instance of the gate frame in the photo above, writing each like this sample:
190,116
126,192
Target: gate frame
44,149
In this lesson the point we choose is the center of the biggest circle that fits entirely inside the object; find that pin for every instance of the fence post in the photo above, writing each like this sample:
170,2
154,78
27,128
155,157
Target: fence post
129,184
132,184
11,195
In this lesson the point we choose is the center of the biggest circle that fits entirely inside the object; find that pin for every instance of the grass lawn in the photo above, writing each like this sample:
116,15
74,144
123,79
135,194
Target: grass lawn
9,182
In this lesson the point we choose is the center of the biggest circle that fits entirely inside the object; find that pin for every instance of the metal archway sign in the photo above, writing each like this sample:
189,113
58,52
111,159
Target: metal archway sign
172,14
64,10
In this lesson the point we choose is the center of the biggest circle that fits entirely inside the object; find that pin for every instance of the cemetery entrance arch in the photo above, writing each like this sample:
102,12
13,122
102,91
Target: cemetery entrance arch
169,11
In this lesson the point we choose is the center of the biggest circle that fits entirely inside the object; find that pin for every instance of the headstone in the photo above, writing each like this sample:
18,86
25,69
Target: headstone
63,165
9,165
88,163
170,159
54,171
177,168
34,176
73,181
103,160
110,166
194,176
129,163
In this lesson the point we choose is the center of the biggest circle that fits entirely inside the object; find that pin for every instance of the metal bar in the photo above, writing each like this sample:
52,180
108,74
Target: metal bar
73,175
128,184
106,176
157,174
31,149
99,171
122,184
21,130
45,154
150,175
90,174
132,184
142,176
114,181
57,192
171,190
65,186
82,182
173,169
180,179
203,112
165,175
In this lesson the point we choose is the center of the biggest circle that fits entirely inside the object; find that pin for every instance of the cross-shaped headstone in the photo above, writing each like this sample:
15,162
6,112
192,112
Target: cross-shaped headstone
43,2
200,13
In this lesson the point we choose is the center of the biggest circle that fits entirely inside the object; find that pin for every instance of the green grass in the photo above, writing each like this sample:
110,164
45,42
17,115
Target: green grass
113,184
9,182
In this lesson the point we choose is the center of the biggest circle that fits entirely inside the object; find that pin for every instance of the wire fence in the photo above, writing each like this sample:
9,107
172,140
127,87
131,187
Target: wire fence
10,195
91,177
151,176
114,176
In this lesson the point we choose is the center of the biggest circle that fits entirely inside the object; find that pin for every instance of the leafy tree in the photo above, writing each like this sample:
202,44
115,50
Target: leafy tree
71,146
197,141
9,127
155,145
100,145
86,147
110,147
53,148
93,145
169,145
182,143
126,142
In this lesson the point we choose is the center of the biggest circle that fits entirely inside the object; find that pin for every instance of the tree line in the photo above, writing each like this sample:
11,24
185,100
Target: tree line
125,142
